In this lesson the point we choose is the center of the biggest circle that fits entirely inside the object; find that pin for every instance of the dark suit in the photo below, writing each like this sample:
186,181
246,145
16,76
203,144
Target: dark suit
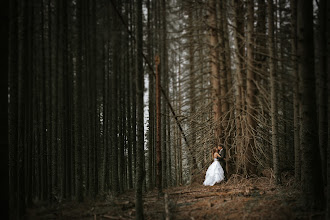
222,160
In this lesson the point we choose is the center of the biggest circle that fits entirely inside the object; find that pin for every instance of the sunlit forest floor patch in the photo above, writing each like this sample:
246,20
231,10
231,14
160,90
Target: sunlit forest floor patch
238,198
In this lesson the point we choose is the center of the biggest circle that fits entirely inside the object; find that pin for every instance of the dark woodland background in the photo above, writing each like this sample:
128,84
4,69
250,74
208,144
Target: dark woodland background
87,117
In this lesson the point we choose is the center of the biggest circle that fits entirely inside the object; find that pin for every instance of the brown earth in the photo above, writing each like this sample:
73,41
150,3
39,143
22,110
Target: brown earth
238,198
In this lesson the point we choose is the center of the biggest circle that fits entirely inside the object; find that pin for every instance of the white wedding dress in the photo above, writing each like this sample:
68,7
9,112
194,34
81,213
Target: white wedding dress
214,174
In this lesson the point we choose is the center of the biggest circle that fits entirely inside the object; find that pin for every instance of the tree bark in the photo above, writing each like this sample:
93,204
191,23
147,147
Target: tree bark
214,57
150,104
192,83
158,132
239,98
164,73
296,117
250,91
140,173
322,88
78,109
115,46
13,110
273,92
328,105
311,170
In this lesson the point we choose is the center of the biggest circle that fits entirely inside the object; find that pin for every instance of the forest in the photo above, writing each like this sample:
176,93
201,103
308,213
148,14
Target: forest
114,107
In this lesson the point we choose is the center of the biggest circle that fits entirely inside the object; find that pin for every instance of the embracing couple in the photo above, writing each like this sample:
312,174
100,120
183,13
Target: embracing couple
217,170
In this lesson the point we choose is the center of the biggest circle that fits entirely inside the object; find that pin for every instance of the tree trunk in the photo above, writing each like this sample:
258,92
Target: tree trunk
150,104
322,88
311,170
230,91
239,99
225,81
327,69
164,73
140,173
180,158
250,90
158,132
328,86
273,92
296,117
13,111
223,74
214,57
130,115
78,109
115,46
192,83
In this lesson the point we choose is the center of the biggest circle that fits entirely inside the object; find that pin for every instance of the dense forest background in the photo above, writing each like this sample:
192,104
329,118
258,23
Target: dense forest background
107,96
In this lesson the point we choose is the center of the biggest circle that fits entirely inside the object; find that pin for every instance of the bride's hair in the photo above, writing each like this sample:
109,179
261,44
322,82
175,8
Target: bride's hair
214,150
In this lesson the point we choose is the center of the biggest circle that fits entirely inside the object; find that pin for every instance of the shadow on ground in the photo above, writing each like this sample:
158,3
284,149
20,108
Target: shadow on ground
238,198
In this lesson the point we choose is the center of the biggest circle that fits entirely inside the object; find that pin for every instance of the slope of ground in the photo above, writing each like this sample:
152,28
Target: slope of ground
238,198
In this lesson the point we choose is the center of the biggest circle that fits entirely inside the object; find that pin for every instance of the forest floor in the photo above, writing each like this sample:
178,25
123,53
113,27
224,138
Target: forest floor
238,198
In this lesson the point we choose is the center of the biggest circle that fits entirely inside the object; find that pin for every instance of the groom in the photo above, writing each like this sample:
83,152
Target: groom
222,159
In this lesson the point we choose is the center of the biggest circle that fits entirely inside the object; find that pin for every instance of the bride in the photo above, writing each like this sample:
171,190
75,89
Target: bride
214,173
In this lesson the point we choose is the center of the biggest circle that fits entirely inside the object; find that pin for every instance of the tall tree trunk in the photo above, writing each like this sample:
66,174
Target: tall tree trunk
239,99
222,74
250,90
59,108
175,130
133,97
327,69
52,43
225,81
4,157
180,158
164,73
296,117
151,104
128,106
130,100
327,17
229,84
192,83
115,46
48,94
66,104
273,98
24,97
140,173
322,88
78,108
103,151
13,111
29,142
158,131
311,170
120,106
214,57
